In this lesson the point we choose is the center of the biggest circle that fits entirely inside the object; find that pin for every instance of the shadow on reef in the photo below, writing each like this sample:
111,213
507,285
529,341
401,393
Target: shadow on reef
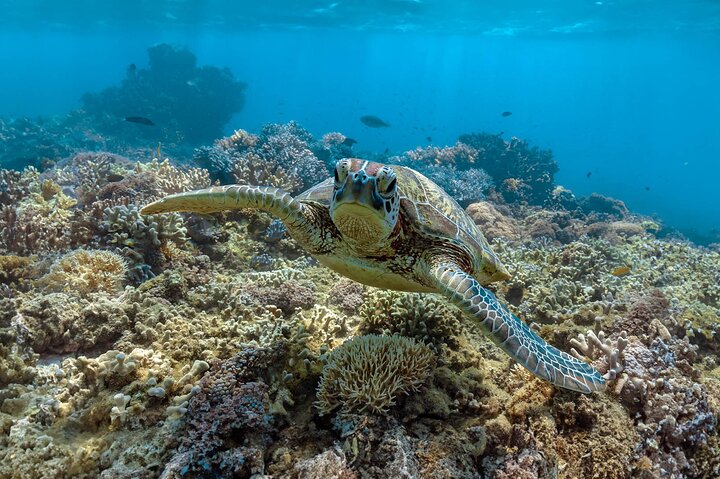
181,346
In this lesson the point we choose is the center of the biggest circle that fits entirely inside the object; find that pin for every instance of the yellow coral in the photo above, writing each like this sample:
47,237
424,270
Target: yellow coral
86,271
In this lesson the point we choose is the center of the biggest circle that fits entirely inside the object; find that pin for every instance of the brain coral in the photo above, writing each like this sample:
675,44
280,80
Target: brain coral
87,271
367,373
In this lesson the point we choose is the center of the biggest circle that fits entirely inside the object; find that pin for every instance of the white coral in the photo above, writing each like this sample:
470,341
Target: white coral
592,344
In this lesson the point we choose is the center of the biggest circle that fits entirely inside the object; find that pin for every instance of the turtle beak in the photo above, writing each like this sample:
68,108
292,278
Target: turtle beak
361,189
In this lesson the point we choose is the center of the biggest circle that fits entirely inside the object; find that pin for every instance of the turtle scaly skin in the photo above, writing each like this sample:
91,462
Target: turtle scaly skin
391,227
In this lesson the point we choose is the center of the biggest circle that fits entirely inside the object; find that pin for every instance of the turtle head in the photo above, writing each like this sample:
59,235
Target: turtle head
365,201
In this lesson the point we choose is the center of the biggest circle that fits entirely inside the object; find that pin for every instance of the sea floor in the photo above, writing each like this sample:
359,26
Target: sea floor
180,346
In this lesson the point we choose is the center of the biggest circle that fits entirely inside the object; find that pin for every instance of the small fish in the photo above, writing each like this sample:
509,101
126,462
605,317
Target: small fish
373,121
159,151
139,119
429,138
506,113
620,271
647,188
589,174
349,142
114,177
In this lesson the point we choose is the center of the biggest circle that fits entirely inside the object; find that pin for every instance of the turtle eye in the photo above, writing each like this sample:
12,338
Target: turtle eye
341,171
386,181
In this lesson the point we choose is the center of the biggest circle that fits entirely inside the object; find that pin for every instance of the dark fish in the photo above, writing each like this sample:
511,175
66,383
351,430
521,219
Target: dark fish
113,177
349,142
139,119
387,150
506,113
429,138
647,188
373,121
589,174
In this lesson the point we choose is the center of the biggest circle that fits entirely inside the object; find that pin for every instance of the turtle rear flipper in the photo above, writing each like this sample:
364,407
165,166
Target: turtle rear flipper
275,201
514,336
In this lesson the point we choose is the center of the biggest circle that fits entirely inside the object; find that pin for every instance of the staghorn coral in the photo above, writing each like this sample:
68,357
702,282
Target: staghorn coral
593,343
369,373
85,272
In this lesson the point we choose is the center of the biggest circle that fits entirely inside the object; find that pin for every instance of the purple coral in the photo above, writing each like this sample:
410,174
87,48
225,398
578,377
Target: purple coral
232,403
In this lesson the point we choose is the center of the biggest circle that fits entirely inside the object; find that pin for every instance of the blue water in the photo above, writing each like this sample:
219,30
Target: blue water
626,90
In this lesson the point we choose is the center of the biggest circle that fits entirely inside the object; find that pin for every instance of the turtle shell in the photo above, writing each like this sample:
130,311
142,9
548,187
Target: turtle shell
428,209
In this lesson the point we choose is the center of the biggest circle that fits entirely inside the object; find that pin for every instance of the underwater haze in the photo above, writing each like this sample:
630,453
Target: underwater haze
623,90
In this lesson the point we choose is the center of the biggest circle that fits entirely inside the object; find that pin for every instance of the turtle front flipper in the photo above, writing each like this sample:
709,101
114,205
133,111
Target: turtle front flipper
514,336
275,201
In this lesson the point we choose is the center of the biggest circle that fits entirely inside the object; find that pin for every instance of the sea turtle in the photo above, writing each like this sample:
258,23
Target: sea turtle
391,227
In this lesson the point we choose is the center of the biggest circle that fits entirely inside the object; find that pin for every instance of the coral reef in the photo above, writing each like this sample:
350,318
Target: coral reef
521,172
281,156
451,168
183,346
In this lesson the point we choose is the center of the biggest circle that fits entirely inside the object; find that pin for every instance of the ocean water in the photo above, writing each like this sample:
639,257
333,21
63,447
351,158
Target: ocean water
624,90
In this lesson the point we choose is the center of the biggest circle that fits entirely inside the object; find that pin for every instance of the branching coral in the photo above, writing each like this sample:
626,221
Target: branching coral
423,317
281,156
466,186
451,168
170,179
85,272
592,345
522,172
369,373
15,185
146,235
